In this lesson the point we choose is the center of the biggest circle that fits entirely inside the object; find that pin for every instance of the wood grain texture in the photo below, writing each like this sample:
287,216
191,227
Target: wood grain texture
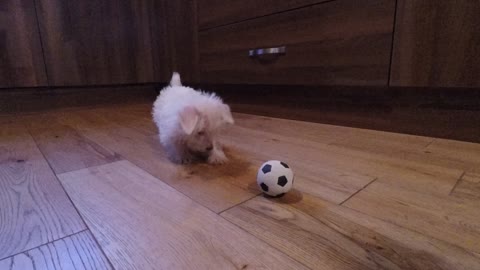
108,42
142,223
326,236
346,168
34,100
313,174
212,13
468,186
63,147
217,188
174,39
21,59
453,220
79,251
342,42
437,44
449,113
34,207
450,153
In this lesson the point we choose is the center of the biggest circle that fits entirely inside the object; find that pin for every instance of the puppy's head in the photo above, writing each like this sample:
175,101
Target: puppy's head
197,134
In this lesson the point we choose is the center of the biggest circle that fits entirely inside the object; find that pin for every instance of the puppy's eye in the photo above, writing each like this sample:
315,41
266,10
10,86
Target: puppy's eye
200,133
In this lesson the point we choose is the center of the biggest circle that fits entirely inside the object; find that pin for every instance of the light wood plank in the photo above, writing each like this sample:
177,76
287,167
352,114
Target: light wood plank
34,208
446,218
349,169
216,187
79,252
468,186
142,223
320,133
323,235
313,174
451,153
133,117
64,148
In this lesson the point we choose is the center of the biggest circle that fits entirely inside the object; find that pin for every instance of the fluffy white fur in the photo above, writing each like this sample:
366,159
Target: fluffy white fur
189,122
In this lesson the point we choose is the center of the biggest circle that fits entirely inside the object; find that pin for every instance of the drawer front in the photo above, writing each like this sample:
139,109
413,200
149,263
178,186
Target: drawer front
212,13
344,42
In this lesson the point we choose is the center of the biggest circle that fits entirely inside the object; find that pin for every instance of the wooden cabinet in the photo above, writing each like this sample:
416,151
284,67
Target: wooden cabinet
437,44
21,61
181,35
98,42
342,42
212,13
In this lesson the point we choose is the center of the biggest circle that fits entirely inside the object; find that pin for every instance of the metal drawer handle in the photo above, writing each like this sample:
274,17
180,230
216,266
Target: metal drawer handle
267,51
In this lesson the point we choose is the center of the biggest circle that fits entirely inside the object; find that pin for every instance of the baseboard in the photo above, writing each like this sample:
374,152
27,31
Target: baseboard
28,100
435,112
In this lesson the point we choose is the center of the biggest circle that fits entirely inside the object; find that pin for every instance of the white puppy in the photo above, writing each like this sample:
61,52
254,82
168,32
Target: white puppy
189,121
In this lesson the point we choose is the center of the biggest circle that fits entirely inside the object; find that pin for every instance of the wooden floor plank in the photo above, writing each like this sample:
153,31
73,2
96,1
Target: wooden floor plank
65,148
306,130
468,186
312,175
135,118
451,153
447,218
79,252
142,223
216,187
34,208
350,169
323,235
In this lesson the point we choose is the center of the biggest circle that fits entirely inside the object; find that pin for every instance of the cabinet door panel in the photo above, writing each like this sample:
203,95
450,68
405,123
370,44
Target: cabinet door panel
97,42
343,42
437,44
21,60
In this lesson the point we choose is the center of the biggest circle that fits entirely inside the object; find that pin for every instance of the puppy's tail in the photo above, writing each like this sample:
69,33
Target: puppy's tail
175,81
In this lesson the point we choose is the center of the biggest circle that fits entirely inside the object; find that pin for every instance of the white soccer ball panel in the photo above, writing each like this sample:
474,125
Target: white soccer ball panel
275,178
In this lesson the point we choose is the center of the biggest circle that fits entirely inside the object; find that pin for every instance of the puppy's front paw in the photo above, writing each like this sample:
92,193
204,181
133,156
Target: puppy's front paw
217,157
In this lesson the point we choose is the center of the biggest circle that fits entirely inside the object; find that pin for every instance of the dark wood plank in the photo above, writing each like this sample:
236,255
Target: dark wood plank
437,44
451,219
34,208
79,251
174,28
326,236
21,59
34,100
212,13
342,42
108,42
64,147
142,223
162,50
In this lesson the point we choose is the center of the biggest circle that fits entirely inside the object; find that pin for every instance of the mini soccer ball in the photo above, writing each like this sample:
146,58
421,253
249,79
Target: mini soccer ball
275,178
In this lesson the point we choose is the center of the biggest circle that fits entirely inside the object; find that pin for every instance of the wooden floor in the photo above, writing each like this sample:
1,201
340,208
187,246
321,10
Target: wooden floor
92,189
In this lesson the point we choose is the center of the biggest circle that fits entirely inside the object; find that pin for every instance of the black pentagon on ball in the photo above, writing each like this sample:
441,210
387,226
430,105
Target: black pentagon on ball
267,168
282,181
284,164
264,187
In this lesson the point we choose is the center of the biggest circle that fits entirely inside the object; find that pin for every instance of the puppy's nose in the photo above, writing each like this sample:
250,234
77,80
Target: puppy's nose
210,148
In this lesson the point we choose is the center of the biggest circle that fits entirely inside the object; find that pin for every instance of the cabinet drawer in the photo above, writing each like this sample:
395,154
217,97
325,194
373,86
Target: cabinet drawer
213,13
344,42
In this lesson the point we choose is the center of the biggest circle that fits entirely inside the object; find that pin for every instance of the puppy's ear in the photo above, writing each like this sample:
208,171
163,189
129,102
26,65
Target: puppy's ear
176,81
189,118
227,115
